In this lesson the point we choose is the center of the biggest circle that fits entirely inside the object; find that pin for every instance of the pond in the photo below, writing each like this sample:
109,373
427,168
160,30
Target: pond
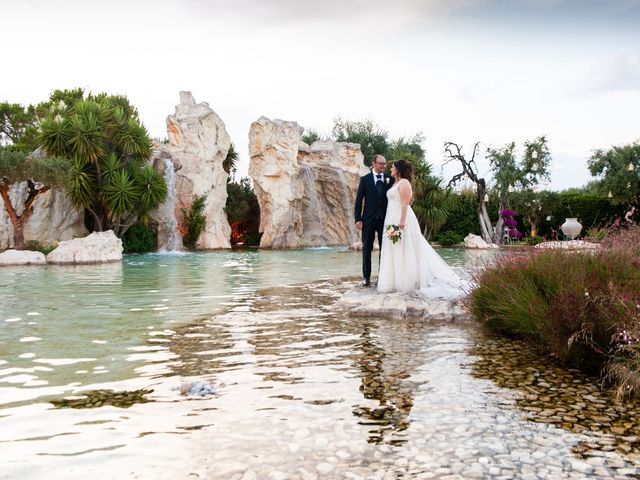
303,390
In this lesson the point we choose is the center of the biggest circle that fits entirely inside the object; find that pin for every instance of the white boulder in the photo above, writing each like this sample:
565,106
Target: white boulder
22,257
475,241
366,301
569,245
99,247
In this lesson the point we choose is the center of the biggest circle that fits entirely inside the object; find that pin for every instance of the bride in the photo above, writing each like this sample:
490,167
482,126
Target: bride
411,264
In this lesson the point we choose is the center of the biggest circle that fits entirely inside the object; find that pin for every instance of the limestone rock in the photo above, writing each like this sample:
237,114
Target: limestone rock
475,241
22,257
306,193
367,301
570,245
54,218
198,144
99,247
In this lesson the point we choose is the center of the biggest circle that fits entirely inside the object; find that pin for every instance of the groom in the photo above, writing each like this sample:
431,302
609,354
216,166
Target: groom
373,191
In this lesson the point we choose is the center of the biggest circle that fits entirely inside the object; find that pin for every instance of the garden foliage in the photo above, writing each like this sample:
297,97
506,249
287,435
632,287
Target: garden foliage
139,239
584,307
243,212
194,221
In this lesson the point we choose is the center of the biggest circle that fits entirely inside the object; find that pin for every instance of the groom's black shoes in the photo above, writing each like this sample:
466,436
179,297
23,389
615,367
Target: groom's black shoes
366,282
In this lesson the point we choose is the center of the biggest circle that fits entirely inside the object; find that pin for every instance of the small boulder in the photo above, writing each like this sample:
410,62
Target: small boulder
99,247
475,241
22,257
569,245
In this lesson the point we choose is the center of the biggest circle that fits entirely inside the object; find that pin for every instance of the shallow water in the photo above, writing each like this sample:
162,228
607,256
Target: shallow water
303,390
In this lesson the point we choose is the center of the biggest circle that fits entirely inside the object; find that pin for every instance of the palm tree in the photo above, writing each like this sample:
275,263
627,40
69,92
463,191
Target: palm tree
108,150
230,162
432,202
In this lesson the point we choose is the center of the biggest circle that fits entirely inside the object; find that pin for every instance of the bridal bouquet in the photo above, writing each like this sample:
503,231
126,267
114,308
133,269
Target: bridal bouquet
393,233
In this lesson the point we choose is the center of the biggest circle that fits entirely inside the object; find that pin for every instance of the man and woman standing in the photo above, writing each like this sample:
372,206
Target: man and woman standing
410,264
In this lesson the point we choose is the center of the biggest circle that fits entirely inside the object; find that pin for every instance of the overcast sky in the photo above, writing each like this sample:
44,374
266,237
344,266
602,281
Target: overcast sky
464,70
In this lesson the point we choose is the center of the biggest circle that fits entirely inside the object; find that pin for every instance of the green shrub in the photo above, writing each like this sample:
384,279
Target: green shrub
448,238
582,306
194,221
534,240
38,247
243,212
139,239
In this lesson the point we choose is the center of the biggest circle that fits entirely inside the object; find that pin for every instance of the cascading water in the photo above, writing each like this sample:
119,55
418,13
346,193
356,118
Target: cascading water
169,238
313,211
348,205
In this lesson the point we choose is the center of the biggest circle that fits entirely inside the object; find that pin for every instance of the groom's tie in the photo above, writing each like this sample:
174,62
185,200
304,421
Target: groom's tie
379,183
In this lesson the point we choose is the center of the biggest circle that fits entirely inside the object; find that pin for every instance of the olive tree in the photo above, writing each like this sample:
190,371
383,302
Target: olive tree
618,172
40,175
453,153
511,174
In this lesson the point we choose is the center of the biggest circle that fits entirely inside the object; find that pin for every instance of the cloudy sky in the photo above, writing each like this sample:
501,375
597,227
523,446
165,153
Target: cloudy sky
464,70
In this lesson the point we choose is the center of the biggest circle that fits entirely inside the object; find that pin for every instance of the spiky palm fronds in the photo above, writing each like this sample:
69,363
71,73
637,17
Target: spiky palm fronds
87,138
83,190
152,190
119,193
55,135
230,162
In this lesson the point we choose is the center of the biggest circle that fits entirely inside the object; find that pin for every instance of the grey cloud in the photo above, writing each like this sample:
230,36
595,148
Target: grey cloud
619,74
618,12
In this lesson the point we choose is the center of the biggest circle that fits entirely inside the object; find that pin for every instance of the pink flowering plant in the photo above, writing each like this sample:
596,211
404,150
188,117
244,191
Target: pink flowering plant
393,233
582,306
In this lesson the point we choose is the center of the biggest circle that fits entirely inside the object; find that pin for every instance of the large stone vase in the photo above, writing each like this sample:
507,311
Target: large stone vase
571,228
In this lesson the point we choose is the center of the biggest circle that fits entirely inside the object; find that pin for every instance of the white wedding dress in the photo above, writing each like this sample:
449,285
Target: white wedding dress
411,264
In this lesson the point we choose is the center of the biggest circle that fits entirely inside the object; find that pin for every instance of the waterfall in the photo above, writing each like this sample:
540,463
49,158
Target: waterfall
314,228
169,238
348,206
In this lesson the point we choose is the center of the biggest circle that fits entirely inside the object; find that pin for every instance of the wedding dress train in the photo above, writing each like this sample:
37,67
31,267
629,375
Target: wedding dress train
411,264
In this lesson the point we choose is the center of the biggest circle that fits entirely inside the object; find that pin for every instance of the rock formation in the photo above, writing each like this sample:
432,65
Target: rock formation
22,257
569,245
99,247
54,218
198,144
362,301
476,241
306,193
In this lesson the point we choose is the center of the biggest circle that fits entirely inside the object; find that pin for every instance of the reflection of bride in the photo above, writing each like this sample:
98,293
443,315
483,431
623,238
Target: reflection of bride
411,264
388,358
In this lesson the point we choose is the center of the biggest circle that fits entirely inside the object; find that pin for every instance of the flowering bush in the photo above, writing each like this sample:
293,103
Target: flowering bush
511,224
583,306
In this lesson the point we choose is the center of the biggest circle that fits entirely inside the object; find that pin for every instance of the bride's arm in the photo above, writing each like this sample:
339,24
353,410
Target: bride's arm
406,192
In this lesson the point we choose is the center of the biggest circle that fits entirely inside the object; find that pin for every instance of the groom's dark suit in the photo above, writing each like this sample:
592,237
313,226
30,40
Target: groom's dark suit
372,216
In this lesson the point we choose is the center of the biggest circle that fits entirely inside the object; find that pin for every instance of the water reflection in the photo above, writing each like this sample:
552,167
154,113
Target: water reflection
303,390
386,378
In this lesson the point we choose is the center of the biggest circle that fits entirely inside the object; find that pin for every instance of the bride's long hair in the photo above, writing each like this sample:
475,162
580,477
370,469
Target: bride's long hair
405,169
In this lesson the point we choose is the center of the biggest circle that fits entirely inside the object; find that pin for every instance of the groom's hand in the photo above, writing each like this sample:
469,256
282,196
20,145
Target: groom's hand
359,225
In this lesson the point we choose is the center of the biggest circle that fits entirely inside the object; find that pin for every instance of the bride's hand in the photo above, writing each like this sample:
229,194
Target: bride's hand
401,225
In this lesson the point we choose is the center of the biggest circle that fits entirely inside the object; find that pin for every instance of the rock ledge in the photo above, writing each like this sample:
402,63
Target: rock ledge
99,247
22,257
366,301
